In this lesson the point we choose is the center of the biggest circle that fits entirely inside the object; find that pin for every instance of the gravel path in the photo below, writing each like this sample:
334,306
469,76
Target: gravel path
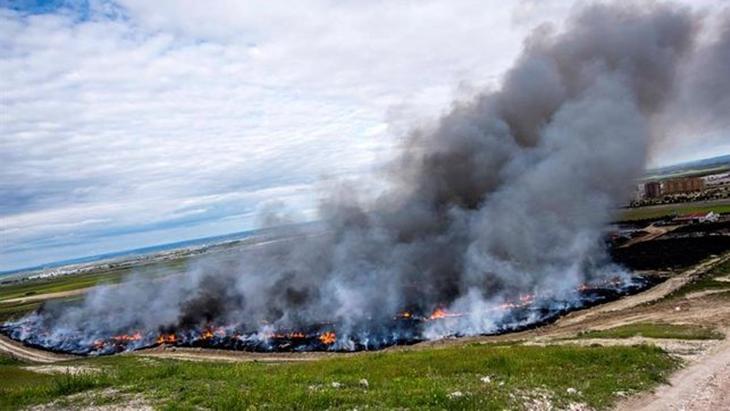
702,386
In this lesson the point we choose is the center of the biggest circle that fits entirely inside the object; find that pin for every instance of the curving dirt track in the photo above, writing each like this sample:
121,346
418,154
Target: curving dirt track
704,385
17,350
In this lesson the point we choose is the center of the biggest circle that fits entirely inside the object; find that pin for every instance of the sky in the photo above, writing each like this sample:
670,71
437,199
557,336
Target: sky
131,123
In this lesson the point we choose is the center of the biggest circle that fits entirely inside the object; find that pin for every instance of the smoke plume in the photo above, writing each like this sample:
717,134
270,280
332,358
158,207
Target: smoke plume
507,194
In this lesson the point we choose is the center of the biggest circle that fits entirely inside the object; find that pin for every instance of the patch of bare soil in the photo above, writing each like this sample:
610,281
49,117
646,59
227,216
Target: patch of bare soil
109,399
702,386
202,354
61,369
652,232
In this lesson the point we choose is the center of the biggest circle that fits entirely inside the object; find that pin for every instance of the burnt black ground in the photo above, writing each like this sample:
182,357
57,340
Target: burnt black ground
670,253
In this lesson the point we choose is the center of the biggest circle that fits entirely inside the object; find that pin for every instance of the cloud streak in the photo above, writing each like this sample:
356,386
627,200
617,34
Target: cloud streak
125,116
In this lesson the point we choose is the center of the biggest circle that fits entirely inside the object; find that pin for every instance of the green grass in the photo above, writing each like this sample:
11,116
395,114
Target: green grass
421,379
59,284
651,212
656,330
13,377
10,310
74,282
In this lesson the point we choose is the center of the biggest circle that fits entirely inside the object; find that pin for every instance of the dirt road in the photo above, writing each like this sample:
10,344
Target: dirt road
21,352
47,296
702,386
652,233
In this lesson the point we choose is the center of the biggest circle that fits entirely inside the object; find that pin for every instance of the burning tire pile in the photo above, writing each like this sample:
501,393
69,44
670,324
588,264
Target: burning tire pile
404,328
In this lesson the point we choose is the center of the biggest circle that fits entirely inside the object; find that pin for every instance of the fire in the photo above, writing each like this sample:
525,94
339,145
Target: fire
522,301
127,337
167,339
328,338
404,314
440,313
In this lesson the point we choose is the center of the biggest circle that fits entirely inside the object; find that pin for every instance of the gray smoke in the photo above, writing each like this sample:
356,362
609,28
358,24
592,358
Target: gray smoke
702,105
507,194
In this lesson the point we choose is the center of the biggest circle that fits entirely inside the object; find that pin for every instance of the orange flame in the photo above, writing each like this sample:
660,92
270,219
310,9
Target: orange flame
328,338
521,301
404,314
167,339
440,313
127,338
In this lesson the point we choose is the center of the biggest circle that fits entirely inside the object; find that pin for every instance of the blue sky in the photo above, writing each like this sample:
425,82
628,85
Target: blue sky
131,123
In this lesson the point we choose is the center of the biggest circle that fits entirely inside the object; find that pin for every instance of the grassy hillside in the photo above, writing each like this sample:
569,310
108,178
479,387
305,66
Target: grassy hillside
10,293
465,377
656,330
650,212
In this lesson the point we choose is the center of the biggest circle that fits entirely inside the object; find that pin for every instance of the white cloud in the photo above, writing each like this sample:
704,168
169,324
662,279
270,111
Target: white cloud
152,111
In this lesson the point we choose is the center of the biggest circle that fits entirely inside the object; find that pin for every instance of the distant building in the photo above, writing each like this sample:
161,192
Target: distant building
652,189
691,218
717,180
683,185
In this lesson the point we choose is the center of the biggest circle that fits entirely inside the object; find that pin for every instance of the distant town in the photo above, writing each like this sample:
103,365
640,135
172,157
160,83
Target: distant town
702,184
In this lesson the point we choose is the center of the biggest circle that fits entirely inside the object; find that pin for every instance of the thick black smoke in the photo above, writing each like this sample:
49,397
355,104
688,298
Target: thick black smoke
507,194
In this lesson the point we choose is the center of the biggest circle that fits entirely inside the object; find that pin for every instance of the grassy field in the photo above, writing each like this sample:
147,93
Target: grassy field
72,282
656,330
59,284
650,212
449,378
